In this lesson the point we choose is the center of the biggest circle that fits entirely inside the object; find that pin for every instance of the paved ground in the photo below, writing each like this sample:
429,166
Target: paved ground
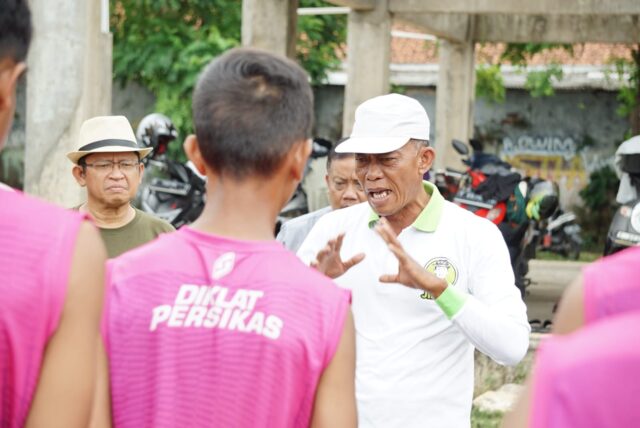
549,279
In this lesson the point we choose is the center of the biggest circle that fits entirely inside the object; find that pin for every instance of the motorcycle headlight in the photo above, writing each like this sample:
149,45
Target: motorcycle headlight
493,214
625,211
635,217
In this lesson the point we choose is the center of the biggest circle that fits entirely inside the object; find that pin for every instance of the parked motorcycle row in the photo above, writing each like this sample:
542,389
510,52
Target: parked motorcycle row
525,209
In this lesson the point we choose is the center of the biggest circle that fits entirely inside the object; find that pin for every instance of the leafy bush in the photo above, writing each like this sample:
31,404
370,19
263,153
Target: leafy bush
599,197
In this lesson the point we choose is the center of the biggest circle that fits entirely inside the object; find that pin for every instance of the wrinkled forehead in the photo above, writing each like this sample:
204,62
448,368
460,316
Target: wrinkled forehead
114,156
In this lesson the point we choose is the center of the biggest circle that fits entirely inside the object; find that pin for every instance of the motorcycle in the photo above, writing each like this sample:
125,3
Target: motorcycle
170,190
624,231
179,198
490,189
561,235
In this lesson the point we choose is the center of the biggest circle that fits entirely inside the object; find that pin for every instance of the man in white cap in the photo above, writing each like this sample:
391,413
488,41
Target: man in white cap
430,281
108,163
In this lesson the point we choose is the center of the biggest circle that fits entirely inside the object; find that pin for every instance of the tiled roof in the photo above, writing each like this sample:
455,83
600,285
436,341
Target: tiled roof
412,51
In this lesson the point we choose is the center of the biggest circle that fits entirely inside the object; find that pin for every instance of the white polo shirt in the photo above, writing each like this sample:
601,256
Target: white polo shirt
415,354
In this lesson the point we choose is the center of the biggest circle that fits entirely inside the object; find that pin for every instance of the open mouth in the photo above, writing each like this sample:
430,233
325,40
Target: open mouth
379,195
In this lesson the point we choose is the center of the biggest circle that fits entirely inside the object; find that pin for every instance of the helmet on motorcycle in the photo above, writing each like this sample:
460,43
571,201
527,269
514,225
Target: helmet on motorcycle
156,131
543,200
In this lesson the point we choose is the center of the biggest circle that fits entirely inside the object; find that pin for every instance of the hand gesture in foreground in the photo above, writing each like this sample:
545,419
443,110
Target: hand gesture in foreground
410,273
328,260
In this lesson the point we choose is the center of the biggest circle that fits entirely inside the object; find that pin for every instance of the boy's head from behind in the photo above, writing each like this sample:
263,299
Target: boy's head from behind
250,108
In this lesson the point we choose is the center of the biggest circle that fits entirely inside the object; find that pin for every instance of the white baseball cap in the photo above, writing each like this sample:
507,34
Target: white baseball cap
386,123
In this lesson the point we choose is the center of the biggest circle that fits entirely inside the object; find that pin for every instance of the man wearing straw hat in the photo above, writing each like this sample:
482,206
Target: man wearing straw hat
108,163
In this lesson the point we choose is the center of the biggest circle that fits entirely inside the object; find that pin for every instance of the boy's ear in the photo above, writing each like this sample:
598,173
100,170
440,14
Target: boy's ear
8,80
299,155
192,150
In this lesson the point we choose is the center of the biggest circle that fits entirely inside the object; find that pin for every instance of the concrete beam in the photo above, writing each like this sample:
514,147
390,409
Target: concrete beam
270,25
455,97
368,57
529,28
449,26
70,78
526,7
361,5
557,29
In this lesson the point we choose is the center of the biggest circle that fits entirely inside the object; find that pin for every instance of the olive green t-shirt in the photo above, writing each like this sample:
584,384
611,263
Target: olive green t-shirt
142,229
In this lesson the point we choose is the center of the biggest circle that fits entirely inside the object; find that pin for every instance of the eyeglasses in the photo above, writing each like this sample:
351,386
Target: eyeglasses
107,166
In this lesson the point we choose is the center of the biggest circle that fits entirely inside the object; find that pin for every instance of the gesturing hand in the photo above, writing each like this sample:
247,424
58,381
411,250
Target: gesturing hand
328,260
410,273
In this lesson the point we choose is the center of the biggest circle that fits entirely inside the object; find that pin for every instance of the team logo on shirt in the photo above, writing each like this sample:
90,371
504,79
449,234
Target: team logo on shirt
442,268
223,265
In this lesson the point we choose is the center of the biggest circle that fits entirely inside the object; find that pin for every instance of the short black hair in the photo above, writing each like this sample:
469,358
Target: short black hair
249,108
15,29
333,155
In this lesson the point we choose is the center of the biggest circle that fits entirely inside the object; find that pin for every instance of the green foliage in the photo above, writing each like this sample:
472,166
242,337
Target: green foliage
321,41
489,83
627,94
599,206
480,419
164,45
540,83
521,53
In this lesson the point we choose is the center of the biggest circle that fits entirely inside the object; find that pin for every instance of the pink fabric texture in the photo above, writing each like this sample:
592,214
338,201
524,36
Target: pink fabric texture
36,248
612,285
208,331
589,378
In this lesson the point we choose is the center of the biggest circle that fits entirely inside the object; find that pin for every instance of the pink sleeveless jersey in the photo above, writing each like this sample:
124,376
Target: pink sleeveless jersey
36,247
590,378
205,331
612,285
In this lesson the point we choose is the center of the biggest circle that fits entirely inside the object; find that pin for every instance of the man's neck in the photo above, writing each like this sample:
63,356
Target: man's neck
408,215
243,210
109,217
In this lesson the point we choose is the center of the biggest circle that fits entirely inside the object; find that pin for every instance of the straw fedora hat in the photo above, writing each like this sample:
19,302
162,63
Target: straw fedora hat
106,134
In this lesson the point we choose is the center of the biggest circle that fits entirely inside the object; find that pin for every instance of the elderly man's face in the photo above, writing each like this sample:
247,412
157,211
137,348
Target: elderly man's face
392,181
112,179
344,188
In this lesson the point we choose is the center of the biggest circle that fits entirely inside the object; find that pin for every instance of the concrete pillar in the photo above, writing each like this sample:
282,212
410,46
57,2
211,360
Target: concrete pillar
270,25
455,96
69,81
368,57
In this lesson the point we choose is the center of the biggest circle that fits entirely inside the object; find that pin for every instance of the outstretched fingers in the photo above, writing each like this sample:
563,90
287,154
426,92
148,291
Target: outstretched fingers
353,261
388,278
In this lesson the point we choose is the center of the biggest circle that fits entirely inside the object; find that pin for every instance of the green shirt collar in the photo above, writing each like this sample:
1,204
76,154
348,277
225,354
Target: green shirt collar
429,218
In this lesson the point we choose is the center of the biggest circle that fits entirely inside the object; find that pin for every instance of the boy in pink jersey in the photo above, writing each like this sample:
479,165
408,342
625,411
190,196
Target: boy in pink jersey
217,324
51,282
589,378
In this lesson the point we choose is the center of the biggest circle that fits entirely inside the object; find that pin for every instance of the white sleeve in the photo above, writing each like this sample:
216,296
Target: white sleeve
316,239
282,234
493,317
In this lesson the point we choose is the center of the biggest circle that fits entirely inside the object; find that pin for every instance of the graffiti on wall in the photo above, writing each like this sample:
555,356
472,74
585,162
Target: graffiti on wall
557,159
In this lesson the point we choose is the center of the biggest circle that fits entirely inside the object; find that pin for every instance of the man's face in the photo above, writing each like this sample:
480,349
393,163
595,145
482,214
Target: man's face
344,188
112,179
392,181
